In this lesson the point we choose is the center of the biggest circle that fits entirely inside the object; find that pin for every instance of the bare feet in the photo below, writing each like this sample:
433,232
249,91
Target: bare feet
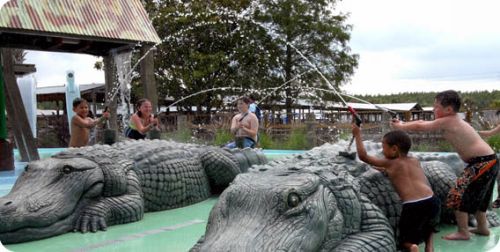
414,248
480,231
456,236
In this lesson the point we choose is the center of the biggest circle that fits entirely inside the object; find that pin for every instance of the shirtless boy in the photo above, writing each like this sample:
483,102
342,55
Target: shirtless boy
421,208
473,189
81,123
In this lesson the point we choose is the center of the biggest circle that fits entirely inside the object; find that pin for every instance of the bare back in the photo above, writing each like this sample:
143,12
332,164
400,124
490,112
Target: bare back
464,138
408,178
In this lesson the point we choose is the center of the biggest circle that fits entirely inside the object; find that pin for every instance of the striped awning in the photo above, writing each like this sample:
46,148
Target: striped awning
113,20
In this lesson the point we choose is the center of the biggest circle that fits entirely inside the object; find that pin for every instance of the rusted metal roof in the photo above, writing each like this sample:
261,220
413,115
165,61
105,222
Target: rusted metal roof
118,20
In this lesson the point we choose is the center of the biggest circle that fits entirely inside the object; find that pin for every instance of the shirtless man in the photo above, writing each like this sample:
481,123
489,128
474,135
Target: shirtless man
473,189
421,208
244,125
81,123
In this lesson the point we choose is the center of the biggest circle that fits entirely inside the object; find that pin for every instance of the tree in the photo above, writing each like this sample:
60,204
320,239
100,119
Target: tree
209,45
311,28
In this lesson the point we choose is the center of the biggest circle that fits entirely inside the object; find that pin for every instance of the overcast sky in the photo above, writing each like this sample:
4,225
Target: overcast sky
425,45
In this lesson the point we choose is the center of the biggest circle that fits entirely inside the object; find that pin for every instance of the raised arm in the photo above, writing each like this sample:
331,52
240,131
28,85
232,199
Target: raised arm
491,132
419,125
143,129
363,155
83,122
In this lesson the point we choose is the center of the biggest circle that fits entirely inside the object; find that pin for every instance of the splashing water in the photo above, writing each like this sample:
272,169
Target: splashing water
123,69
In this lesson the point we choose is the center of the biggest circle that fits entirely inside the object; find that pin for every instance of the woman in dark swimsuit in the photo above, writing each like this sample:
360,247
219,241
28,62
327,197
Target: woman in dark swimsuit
142,121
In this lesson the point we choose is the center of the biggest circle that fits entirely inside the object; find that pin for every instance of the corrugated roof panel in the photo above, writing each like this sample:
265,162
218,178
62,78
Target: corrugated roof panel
111,19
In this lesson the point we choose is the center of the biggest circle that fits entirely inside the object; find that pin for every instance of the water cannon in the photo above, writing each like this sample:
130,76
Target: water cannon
356,116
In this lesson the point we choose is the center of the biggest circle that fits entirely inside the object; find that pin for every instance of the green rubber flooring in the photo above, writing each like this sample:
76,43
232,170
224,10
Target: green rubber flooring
179,229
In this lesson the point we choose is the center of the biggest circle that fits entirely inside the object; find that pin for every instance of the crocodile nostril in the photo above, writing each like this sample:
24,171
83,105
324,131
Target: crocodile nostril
8,203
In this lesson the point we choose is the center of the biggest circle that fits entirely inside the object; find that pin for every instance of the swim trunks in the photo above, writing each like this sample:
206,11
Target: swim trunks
419,219
474,188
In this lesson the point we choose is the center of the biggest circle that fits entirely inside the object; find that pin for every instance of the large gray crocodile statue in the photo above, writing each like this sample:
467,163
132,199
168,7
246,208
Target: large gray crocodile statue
88,189
317,201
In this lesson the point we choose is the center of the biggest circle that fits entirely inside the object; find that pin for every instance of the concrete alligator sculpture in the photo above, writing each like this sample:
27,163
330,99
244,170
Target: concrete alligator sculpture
88,189
317,201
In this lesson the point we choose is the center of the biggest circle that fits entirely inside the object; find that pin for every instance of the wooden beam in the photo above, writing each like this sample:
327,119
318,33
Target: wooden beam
23,135
22,69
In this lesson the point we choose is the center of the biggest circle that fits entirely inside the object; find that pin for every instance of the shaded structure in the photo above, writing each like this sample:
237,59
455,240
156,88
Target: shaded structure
94,93
97,27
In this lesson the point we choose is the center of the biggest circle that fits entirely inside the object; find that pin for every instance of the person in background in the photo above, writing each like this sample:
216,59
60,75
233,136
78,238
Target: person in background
474,187
244,125
254,108
81,123
141,121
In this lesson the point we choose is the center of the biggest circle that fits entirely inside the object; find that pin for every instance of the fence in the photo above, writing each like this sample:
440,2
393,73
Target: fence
53,129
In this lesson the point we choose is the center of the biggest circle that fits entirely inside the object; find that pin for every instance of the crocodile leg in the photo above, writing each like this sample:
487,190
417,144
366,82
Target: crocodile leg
105,211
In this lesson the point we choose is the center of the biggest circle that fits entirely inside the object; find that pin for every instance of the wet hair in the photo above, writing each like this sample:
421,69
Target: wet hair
138,105
449,98
245,99
400,139
77,101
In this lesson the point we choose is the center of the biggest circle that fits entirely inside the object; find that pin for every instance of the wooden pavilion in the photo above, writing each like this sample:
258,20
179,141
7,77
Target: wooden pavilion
96,27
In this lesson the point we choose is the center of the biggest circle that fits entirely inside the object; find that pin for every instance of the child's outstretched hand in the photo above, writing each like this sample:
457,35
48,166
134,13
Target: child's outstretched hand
395,123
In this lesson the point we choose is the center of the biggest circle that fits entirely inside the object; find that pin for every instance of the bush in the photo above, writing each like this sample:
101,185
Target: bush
222,137
181,135
494,142
297,140
265,142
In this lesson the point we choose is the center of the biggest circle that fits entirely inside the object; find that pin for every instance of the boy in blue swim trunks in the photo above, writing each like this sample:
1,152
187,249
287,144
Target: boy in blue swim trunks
474,188
421,208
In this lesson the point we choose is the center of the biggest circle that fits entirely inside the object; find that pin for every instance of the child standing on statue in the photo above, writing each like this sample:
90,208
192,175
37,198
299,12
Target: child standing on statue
474,188
421,208
81,123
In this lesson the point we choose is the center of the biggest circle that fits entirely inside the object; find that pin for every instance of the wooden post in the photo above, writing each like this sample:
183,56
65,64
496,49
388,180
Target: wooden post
6,150
109,80
23,135
148,77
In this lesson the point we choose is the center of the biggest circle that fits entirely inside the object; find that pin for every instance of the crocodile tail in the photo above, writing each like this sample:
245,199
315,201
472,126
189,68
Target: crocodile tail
220,166
375,231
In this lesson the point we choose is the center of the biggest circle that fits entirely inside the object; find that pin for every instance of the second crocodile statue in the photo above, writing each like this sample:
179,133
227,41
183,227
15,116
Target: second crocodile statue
318,201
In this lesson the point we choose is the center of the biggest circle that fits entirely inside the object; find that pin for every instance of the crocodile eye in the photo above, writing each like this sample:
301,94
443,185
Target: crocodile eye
26,168
293,200
67,169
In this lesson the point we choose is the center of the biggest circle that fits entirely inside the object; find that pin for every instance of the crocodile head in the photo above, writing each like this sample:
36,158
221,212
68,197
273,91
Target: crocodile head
287,211
47,196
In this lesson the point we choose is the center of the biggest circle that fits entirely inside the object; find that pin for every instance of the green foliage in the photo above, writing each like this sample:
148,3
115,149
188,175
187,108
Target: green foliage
494,142
183,135
265,142
477,100
220,43
297,140
345,135
222,137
